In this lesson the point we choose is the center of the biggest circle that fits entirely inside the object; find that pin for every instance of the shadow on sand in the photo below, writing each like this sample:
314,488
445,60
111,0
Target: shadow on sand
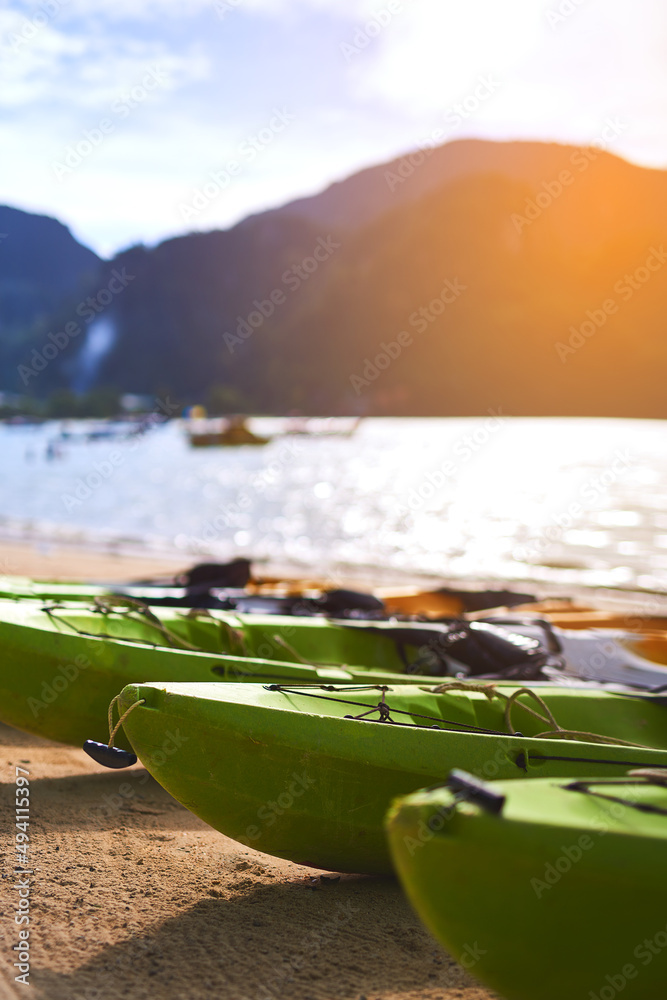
354,938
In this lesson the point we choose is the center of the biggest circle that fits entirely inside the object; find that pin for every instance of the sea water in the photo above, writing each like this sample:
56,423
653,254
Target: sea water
561,500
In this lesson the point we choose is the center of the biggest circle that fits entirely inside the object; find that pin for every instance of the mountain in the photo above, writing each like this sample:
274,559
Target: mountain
525,278
561,295
41,265
370,193
178,320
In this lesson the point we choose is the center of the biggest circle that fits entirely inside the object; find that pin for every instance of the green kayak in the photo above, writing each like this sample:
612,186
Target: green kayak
233,586
19,588
543,889
455,647
62,665
309,640
511,648
307,773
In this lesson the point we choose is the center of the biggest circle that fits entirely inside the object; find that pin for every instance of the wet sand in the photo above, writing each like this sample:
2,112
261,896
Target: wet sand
132,896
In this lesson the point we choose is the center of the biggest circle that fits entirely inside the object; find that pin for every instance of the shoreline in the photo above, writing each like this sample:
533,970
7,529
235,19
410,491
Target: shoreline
107,563
45,560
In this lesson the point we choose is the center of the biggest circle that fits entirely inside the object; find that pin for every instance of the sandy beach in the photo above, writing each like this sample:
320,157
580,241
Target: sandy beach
133,896
46,561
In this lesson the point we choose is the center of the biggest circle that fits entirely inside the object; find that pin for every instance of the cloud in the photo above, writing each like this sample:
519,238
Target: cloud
71,69
345,9
221,76
559,76
432,52
136,10
114,11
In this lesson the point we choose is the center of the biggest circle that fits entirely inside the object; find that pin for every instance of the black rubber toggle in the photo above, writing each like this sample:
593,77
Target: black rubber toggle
109,756
475,791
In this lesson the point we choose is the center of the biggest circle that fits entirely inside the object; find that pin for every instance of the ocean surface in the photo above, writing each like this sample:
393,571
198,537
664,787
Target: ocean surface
566,501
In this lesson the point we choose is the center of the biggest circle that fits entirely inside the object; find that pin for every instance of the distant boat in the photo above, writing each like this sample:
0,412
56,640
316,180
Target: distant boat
323,426
228,431
113,429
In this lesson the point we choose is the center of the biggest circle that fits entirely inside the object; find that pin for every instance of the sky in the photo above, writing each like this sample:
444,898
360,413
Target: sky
135,120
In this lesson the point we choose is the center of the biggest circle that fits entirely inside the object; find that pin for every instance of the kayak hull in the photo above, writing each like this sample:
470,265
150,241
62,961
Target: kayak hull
285,772
559,895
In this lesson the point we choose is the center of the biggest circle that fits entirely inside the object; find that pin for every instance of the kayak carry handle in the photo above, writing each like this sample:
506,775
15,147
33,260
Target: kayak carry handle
109,756
106,753
473,790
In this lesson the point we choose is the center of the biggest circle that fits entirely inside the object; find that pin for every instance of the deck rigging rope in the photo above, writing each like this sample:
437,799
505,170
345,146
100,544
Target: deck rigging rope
638,778
238,635
557,732
580,760
489,690
384,710
298,658
124,607
234,635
